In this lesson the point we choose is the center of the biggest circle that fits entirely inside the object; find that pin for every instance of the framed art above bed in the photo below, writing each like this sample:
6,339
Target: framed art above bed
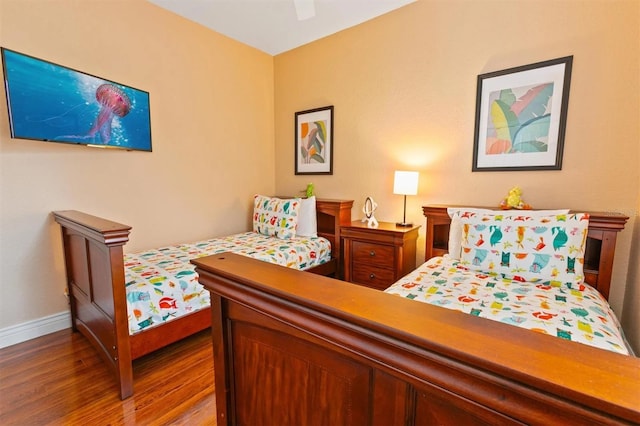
314,141
521,115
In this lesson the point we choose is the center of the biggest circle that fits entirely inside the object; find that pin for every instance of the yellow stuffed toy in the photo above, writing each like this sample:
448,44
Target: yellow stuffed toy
514,200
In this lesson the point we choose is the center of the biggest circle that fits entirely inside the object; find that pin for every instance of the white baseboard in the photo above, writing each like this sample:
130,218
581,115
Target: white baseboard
31,329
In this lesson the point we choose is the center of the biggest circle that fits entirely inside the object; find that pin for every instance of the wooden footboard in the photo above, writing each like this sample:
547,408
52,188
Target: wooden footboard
93,251
295,348
95,279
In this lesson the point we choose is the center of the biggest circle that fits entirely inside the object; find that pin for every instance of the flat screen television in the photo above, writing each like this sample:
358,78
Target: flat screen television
53,103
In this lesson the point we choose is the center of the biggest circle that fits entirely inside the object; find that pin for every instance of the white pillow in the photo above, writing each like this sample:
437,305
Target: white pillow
307,221
455,230
455,236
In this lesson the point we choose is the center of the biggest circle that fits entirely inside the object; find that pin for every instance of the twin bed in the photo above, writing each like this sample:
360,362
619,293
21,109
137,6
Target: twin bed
300,349
128,305
524,268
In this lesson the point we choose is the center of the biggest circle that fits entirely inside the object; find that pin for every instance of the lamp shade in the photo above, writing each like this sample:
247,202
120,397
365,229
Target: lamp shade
405,183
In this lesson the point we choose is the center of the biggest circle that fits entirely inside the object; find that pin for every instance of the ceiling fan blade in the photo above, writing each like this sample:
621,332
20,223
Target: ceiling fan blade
305,9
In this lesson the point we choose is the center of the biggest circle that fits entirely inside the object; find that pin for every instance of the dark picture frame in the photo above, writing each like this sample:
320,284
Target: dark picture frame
314,141
521,117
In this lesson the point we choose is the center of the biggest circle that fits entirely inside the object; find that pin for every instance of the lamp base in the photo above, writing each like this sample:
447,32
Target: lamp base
404,224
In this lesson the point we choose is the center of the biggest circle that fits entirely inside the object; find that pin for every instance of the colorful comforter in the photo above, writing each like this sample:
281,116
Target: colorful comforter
580,316
162,284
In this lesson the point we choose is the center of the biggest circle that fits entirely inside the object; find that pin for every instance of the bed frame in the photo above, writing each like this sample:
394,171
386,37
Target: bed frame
93,251
296,348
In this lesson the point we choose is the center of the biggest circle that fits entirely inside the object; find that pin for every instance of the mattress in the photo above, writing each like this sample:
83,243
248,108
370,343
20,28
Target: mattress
161,284
579,315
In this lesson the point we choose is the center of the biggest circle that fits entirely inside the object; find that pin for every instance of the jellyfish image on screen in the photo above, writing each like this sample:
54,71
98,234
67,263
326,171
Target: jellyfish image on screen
113,101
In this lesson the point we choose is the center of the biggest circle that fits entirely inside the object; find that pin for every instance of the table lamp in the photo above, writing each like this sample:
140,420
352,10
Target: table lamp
405,183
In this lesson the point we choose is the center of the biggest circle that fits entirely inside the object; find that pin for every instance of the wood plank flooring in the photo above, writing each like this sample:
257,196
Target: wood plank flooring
59,379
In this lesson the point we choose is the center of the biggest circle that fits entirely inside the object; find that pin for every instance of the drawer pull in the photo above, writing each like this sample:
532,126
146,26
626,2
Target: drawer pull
372,276
372,253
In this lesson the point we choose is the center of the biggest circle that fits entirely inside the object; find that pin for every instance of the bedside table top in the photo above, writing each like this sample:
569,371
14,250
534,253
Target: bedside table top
382,227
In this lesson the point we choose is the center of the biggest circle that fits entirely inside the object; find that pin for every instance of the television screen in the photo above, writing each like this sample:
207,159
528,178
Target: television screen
49,102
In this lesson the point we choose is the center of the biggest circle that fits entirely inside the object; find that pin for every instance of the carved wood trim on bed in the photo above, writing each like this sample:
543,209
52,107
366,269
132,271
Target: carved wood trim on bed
93,251
599,251
297,348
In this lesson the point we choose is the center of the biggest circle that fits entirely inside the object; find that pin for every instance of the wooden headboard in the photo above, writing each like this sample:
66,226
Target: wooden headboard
599,252
332,215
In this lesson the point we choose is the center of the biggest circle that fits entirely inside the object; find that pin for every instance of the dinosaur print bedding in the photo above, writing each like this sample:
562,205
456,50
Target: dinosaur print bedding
577,313
161,284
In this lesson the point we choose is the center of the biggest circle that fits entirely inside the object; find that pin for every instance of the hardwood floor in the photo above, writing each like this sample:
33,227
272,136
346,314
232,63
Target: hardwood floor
59,379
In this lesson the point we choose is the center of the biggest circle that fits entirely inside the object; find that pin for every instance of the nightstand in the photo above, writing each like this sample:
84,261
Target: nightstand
378,257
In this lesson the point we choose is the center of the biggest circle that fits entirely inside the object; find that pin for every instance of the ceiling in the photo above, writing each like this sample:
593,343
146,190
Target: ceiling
272,25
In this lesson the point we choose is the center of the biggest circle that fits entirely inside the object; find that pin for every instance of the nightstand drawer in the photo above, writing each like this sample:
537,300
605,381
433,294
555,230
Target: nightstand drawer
376,257
373,254
372,276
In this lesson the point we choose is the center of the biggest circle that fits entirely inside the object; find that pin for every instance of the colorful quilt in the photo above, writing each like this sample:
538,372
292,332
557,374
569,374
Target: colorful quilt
161,284
578,315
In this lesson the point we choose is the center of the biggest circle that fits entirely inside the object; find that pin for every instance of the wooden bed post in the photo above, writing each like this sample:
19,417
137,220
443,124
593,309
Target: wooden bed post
603,230
95,278
332,215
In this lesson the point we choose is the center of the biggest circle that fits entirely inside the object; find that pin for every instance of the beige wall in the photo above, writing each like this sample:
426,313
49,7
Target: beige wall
403,87
212,130
404,91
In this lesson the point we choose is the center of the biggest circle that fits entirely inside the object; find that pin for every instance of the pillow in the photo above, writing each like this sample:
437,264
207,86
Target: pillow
275,217
546,249
307,221
455,229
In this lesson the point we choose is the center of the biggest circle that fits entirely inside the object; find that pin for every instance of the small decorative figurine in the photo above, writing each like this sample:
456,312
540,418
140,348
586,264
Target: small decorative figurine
514,200
369,208
309,190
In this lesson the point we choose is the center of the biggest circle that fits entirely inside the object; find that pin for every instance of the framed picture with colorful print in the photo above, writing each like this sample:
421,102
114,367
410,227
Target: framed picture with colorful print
521,116
314,141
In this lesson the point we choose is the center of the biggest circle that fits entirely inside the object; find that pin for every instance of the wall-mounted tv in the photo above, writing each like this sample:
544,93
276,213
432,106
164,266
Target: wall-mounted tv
50,102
